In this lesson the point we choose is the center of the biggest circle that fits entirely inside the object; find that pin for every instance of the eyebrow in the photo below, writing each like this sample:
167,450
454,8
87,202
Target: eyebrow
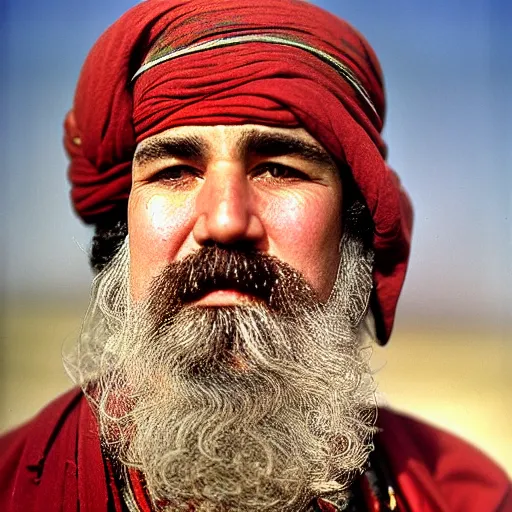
251,143
187,147
268,144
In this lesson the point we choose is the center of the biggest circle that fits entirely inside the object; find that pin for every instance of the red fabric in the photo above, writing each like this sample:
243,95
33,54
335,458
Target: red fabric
438,472
371,501
53,463
115,492
139,492
250,83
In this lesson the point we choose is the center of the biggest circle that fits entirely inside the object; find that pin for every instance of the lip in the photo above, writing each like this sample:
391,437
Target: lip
226,298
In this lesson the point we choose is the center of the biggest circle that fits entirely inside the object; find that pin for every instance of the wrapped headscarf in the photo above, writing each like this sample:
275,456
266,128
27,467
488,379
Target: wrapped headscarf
284,63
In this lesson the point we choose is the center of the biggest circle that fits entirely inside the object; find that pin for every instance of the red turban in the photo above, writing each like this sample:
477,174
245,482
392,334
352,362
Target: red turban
273,62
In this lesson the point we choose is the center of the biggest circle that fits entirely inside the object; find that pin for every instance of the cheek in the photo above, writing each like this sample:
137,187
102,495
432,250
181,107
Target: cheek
304,231
158,227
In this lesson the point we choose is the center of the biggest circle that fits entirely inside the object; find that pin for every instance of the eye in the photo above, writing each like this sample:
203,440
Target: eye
277,171
176,175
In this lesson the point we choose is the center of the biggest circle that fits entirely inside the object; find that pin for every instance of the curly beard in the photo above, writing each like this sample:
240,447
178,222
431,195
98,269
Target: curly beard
254,407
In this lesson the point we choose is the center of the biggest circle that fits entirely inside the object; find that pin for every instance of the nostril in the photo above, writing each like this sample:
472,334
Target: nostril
242,245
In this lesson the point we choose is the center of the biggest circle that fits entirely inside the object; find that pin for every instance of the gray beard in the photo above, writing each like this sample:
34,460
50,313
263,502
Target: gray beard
233,408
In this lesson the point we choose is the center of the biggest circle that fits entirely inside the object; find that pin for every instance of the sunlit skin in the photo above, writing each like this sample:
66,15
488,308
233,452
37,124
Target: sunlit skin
273,190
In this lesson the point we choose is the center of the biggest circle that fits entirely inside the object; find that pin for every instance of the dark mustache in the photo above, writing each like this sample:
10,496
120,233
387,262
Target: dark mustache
216,267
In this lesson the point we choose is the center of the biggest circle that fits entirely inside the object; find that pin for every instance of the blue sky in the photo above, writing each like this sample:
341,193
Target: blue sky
448,74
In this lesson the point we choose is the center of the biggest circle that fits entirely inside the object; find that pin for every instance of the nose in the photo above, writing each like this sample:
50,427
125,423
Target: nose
226,211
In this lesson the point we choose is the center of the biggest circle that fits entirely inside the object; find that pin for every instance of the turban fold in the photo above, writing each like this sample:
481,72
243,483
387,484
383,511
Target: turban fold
285,63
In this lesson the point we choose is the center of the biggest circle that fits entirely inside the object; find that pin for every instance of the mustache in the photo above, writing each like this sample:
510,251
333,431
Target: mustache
215,267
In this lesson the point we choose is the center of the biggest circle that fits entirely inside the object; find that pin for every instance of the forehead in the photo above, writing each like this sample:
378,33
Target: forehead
234,139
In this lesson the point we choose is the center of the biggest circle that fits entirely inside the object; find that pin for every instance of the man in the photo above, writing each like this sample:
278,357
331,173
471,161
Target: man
249,235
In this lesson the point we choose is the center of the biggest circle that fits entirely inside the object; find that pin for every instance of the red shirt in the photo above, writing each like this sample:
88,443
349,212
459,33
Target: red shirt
54,463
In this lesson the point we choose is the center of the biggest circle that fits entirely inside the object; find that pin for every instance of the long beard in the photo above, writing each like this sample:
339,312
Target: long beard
247,408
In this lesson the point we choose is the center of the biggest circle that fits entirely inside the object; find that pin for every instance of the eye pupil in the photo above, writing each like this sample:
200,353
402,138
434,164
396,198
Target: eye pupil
175,173
277,171
172,173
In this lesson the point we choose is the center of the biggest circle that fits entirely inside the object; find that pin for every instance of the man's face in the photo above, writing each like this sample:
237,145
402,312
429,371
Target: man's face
225,331
270,190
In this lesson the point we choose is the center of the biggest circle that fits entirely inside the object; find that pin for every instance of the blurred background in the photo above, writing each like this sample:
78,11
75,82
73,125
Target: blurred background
448,69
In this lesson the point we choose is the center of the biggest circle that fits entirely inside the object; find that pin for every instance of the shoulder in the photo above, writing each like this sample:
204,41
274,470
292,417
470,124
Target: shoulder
40,428
436,463
23,451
